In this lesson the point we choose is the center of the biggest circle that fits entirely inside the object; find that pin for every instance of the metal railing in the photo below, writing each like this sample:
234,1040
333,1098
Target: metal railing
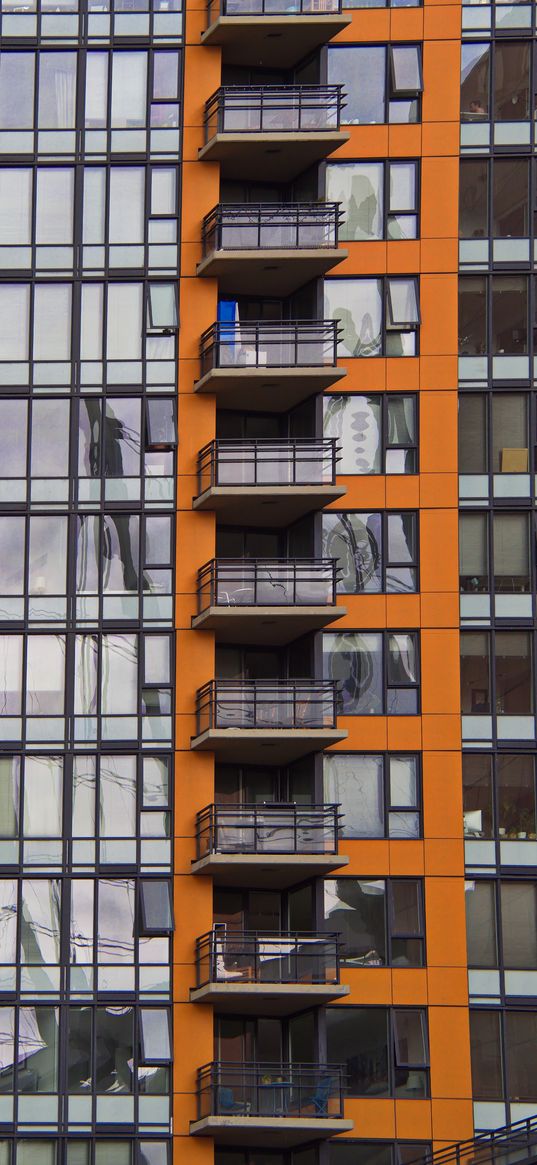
267,582
273,109
271,828
216,8
266,704
228,956
303,461
261,226
271,1089
264,344
502,1146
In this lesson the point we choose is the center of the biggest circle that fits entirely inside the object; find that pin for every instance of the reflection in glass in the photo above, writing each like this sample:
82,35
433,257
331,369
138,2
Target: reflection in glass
355,541
357,305
359,187
355,422
355,661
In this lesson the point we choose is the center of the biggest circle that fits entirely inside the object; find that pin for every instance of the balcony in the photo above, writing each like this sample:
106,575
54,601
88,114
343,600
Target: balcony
274,1105
268,366
267,483
272,132
276,973
270,844
266,600
271,32
270,249
266,721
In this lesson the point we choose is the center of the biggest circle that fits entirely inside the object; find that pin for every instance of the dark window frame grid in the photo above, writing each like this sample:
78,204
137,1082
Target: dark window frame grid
495,838
489,515
487,393
384,398
501,1012
390,935
493,713
385,565
488,354
92,1139
497,880
392,1066
386,329
390,806
389,96
489,161
387,211
387,687
491,42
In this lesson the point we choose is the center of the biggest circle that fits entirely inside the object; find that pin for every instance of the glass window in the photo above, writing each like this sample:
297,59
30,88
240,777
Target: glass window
473,433
356,423
357,305
52,321
402,674
357,1037
57,90
9,795
162,305
129,89
12,555
43,793
359,187
511,554
511,81
37,1069
96,90
473,553
475,72
516,795
472,315
473,198
410,1040
124,321
510,198
11,672
475,673
509,314
361,69
17,90
160,424
520,1053
519,925
513,673
354,659
47,561
356,783
14,323
402,222
50,438
403,311
114,1050
478,796
356,909
481,924
405,65
54,206
155,1035
355,540
156,909
45,675
509,432
15,206
127,204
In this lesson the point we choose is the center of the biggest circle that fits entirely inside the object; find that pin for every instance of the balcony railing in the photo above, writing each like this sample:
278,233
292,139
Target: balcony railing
272,109
267,582
267,829
271,1089
301,462
259,226
502,1146
293,344
226,956
266,704
216,8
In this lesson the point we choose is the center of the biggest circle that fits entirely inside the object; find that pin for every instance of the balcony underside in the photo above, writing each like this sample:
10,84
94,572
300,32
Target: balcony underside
271,272
275,870
267,998
266,505
270,157
269,1132
275,625
279,40
268,389
275,746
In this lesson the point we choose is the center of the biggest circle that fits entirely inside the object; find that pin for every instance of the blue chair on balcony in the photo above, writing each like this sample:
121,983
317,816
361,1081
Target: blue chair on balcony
227,1104
318,1101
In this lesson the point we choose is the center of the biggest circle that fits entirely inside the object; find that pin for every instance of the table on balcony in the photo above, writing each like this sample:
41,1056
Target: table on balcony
274,1097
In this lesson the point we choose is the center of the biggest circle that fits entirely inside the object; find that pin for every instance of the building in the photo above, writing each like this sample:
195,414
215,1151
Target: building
265,749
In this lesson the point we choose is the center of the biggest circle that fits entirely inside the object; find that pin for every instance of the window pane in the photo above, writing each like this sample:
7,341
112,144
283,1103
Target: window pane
355,422
477,796
509,314
511,553
118,796
473,199
402,186
114,1049
402,548
14,322
513,668
124,336
402,302
475,673
410,1036
516,794
96,90
11,672
156,906
475,82
472,316
115,921
511,81
9,795
402,662
357,305
50,438
358,186
43,796
510,198
403,782
122,445
129,89
54,208
120,554
519,925
481,924
155,1033
48,556
405,66
520,1053
355,541
162,305
163,191
473,448
165,75
358,1038
361,71
57,90
17,90
45,675
473,553
127,204
12,555
38,1049
357,911
355,661
15,206
357,784
52,322
40,923
509,431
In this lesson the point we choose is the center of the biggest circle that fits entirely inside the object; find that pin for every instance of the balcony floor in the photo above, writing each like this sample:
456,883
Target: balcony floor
266,505
267,998
270,272
266,388
269,1132
272,625
279,40
275,746
265,869
270,157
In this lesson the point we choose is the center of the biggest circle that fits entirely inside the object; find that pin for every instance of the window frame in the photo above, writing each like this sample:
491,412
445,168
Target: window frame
389,805
389,933
390,96
388,331
388,212
392,1065
387,686
384,399
385,564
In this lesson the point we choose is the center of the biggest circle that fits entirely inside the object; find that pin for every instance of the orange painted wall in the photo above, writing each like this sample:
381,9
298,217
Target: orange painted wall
438,857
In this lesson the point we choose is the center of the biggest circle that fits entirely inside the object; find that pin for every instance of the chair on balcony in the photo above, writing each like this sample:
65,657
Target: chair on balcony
227,1104
318,1101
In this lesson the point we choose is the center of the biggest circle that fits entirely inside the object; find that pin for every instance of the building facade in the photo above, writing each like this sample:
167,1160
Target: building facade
267,731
